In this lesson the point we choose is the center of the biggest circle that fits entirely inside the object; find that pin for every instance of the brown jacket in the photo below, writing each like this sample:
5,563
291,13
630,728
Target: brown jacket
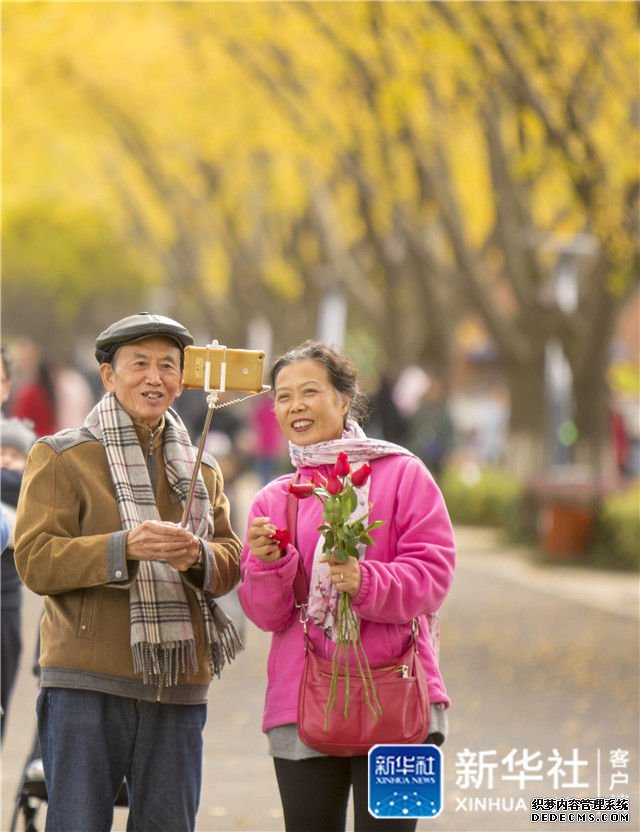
71,549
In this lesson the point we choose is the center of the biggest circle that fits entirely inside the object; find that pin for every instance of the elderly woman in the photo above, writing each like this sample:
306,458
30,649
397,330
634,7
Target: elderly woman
406,574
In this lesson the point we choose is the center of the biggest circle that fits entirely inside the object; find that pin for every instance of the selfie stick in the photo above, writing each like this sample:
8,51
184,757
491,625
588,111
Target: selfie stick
212,399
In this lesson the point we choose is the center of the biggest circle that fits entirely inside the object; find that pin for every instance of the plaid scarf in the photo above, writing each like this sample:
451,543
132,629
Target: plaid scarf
162,638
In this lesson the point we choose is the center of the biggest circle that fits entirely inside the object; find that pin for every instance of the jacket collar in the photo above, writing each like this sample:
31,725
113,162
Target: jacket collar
145,434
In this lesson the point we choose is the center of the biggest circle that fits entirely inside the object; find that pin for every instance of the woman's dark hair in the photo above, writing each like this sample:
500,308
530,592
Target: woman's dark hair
340,369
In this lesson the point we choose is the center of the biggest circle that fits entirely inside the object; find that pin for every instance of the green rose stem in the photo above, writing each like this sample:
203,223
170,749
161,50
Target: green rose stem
348,636
341,537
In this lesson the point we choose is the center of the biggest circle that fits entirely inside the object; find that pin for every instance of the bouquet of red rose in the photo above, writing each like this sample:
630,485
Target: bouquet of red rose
341,536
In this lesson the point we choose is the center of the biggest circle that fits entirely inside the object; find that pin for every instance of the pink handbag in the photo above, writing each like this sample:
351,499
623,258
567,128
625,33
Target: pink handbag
400,684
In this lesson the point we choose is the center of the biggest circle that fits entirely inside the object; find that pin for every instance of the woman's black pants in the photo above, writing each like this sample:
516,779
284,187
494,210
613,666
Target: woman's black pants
315,793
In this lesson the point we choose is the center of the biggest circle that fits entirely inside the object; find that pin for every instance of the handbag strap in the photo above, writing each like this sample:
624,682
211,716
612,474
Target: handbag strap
300,588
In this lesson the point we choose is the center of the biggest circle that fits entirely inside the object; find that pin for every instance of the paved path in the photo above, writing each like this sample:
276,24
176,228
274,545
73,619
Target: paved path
538,660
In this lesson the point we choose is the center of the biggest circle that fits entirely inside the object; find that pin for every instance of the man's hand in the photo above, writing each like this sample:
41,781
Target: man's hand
158,540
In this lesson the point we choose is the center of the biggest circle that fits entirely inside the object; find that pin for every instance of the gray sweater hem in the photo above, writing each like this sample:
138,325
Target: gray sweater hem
59,677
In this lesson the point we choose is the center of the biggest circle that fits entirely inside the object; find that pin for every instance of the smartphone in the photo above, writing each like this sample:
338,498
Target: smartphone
245,368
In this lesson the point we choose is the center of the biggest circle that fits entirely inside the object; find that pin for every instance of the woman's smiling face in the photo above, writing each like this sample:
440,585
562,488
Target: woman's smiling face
308,407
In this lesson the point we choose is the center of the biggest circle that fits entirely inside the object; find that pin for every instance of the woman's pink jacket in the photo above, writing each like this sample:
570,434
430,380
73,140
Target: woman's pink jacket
407,573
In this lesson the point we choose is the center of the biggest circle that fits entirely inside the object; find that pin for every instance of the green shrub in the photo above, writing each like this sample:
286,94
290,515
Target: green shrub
493,497
482,497
617,531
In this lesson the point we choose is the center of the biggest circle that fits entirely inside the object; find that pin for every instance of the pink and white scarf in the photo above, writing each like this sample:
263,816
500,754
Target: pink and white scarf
322,605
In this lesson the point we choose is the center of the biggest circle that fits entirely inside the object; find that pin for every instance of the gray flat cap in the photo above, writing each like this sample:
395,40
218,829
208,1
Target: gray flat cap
17,433
136,328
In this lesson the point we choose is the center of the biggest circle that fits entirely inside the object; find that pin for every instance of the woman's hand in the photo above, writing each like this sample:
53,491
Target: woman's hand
158,540
261,543
346,575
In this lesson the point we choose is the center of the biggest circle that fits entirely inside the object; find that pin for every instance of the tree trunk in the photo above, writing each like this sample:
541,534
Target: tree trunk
599,314
526,447
593,447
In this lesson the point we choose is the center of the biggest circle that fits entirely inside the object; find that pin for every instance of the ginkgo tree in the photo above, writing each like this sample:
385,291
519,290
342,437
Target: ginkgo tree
429,160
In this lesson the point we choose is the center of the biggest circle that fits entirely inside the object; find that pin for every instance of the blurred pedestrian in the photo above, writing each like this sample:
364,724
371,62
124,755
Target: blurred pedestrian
386,420
431,433
268,443
5,530
405,575
73,396
5,376
131,635
621,435
34,397
409,388
16,439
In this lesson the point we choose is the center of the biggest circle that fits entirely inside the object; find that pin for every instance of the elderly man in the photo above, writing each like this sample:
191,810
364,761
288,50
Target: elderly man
130,633
16,439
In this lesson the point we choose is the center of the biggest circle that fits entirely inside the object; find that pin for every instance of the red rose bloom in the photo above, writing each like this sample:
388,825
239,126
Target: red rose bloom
342,467
301,490
334,485
360,476
282,538
318,479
